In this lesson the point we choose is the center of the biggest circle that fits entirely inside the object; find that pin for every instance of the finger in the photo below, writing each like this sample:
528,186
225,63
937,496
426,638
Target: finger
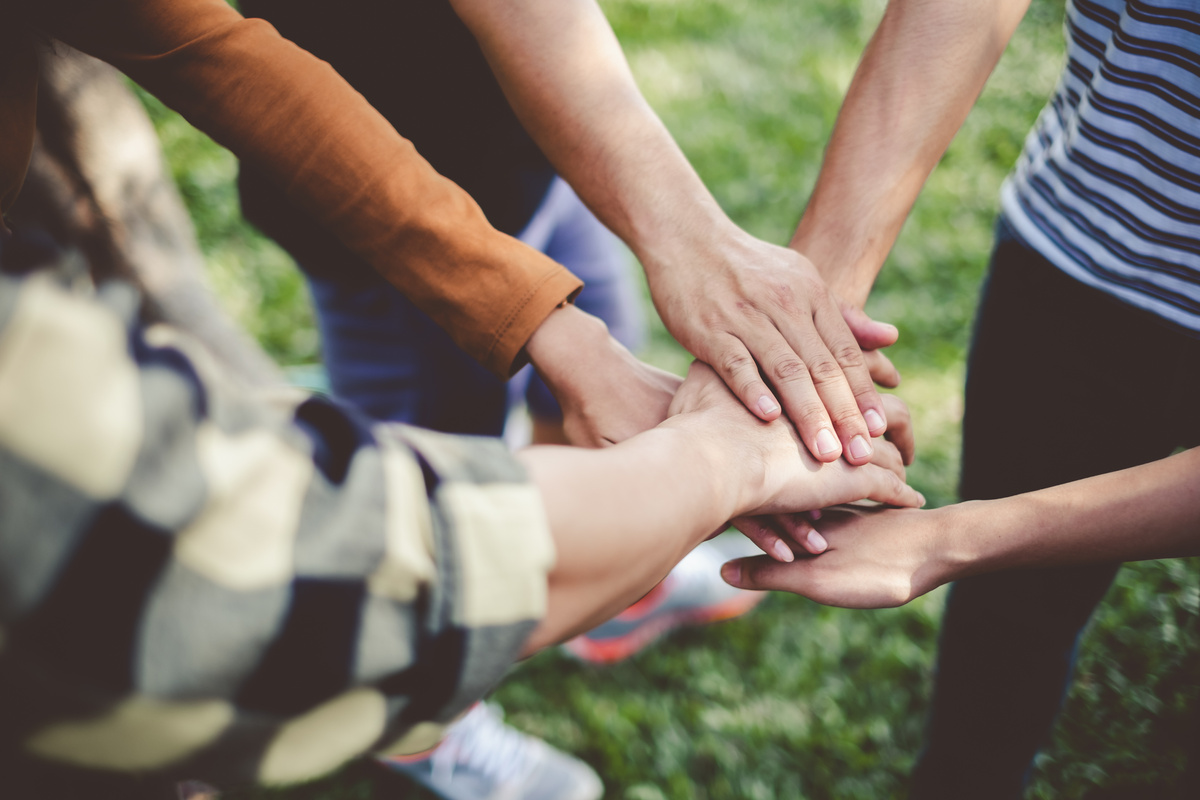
800,530
900,429
872,337
882,370
889,457
737,367
852,364
870,334
790,376
833,391
760,531
885,486
760,573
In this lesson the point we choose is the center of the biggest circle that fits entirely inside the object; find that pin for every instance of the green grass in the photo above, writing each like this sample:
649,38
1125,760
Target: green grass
795,700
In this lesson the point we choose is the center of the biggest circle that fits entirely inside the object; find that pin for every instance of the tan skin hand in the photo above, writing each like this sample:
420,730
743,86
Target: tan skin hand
780,535
607,395
792,480
737,303
761,306
875,559
872,337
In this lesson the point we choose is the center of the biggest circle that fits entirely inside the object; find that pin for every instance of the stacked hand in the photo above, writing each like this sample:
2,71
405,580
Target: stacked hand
751,309
875,559
777,474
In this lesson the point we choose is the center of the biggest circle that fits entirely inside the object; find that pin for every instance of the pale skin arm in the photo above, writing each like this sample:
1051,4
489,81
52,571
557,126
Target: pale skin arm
919,77
886,558
623,516
734,301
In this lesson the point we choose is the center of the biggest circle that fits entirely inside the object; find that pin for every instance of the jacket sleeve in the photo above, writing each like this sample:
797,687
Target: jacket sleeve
196,581
296,119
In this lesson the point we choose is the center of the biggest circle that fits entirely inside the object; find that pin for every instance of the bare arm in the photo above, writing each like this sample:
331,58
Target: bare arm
735,302
622,517
918,78
878,559
606,394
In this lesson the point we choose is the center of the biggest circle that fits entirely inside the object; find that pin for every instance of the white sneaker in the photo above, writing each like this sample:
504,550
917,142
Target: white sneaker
482,758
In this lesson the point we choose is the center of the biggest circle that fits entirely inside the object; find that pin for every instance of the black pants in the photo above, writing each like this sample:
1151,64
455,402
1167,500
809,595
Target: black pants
1063,382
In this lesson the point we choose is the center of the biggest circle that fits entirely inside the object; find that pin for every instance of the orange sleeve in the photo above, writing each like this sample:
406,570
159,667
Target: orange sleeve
295,118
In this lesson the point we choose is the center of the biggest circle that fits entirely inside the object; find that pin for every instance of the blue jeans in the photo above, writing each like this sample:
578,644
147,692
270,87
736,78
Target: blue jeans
1063,382
391,360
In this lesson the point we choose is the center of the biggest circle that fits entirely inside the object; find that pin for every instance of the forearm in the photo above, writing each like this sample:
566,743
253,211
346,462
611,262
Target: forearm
564,73
621,517
733,301
1146,512
922,71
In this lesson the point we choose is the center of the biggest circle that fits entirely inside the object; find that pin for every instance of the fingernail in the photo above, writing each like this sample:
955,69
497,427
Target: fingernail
817,542
922,499
766,405
874,420
815,514
860,447
732,574
826,442
782,551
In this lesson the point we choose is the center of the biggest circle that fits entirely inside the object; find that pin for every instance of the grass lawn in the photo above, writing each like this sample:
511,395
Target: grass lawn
794,700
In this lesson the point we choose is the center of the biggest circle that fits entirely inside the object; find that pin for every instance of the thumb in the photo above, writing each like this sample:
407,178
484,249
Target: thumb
871,335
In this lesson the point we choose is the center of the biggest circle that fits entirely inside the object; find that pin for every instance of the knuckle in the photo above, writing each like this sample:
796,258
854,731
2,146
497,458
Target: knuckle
818,293
849,355
788,369
847,417
811,416
784,296
824,370
901,592
735,363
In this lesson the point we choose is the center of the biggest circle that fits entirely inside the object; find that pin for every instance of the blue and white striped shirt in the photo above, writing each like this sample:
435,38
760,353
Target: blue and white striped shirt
1108,186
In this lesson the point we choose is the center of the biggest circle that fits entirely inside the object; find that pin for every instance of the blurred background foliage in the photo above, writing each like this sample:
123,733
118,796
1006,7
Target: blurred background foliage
794,700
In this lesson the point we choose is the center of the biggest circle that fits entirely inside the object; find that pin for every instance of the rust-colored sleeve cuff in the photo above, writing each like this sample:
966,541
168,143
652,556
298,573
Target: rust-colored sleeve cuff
338,159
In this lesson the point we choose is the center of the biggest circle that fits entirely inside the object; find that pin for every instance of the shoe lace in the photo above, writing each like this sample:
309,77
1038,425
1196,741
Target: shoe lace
481,742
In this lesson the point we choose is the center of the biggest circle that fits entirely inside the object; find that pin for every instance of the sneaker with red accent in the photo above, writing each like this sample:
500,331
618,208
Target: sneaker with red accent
692,594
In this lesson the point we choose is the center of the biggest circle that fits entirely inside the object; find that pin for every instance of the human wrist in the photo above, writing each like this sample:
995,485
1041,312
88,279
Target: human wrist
705,235
563,335
969,538
847,271
733,470
727,474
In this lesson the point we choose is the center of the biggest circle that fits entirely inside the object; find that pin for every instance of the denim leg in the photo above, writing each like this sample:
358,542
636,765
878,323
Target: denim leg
391,360
1063,383
564,229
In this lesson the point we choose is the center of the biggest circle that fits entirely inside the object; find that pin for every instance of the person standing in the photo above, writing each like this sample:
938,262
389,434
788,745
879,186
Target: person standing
1084,354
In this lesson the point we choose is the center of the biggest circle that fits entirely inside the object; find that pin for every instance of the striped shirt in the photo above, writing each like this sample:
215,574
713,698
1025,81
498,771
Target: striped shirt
1108,186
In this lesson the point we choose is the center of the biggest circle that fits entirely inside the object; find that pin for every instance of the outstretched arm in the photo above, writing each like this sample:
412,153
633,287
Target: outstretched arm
187,566
293,117
886,558
919,77
735,302
622,517
297,120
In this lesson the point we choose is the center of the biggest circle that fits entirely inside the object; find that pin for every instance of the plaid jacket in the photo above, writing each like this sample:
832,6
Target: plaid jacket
201,582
